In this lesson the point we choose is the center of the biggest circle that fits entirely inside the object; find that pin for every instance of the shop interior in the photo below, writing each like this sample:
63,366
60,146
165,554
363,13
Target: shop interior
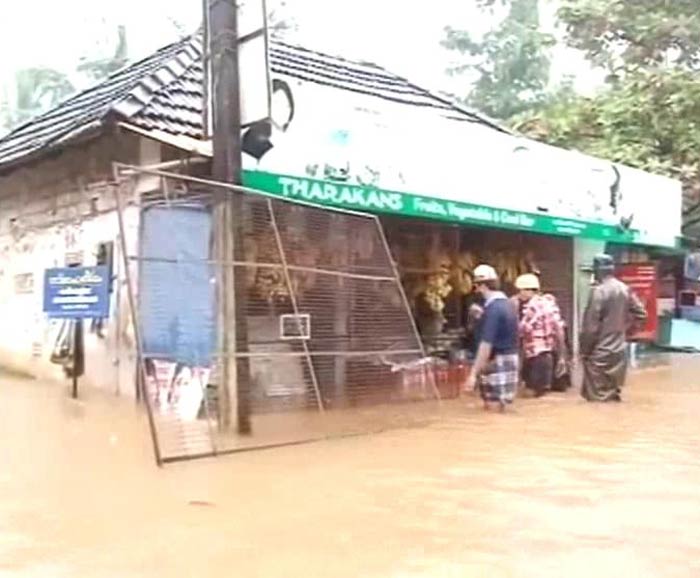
436,261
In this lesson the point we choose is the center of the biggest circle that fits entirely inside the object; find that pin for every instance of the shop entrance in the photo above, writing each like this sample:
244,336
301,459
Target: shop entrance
435,262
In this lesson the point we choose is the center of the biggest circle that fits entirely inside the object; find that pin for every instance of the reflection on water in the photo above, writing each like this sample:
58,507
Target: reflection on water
558,488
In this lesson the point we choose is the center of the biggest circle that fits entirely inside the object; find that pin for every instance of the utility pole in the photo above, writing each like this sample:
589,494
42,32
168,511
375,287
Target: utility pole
234,398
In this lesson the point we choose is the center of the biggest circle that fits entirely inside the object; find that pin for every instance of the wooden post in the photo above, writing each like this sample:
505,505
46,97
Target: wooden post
78,355
226,110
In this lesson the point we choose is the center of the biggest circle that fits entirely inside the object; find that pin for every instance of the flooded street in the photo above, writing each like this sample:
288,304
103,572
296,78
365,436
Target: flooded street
558,488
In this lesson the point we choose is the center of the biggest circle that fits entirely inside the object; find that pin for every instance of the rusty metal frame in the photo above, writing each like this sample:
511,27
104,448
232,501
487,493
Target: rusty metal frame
141,362
124,173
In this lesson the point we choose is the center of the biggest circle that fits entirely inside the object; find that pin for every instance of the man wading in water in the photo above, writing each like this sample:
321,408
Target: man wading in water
612,309
541,334
496,368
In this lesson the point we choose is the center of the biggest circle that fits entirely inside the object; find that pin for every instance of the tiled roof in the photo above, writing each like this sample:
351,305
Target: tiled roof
87,111
164,92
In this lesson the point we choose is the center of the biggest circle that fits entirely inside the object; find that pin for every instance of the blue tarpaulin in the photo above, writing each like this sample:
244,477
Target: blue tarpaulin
177,290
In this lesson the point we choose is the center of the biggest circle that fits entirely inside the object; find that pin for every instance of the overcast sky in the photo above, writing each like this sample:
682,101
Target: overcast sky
399,34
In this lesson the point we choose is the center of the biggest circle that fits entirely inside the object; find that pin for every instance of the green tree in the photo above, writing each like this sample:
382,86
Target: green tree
100,68
511,63
648,113
623,35
35,90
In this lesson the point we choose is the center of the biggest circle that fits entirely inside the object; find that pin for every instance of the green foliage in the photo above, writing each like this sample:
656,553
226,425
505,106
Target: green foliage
100,68
650,119
511,62
35,90
648,113
624,35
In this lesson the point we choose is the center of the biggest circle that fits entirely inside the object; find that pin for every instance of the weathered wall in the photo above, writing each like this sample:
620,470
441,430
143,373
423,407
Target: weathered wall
53,212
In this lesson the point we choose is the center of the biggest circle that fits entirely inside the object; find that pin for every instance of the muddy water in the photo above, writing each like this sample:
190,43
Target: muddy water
558,488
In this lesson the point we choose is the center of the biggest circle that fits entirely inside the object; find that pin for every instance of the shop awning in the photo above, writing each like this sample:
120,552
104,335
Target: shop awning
374,200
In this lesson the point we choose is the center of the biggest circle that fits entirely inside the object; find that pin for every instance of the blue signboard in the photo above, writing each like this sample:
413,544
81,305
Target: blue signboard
77,292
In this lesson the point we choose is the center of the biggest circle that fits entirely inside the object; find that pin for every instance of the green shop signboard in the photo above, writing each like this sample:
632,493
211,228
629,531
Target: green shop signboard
373,200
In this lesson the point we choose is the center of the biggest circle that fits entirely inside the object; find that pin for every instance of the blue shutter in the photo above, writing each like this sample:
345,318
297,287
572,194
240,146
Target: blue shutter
177,300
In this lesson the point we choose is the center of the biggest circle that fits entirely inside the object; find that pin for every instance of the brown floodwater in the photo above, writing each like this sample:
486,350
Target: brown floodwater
558,488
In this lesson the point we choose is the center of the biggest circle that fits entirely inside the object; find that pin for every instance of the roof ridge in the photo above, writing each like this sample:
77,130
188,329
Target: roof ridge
162,50
141,95
276,40
477,116
388,73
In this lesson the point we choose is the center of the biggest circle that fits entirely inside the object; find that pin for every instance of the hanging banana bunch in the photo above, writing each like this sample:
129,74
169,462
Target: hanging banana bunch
270,282
531,263
438,280
510,273
461,273
522,265
500,264
466,261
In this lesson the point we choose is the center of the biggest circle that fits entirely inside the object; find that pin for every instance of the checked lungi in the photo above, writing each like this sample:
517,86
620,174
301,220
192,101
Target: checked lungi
499,381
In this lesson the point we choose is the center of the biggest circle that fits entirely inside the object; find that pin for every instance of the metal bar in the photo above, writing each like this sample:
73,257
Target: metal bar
406,303
166,191
141,381
265,265
188,201
141,362
77,336
251,35
239,189
268,68
293,298
248,449
206,84
118,320
164,165
207,413
273,354
272,446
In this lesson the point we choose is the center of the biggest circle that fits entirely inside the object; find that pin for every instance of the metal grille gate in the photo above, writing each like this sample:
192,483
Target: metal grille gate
360,369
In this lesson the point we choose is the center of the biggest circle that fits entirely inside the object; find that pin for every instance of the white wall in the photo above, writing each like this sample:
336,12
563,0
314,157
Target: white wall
403,148
54,211
27,337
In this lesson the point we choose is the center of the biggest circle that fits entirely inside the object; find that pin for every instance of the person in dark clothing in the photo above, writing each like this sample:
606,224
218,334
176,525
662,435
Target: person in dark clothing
496,368
612,309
